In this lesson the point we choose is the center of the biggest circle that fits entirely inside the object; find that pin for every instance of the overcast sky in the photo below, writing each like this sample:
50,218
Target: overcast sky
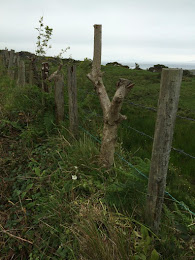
133,30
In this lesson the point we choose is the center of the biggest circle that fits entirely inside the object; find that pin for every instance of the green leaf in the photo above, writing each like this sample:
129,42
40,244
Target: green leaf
37,171
154,255
144,232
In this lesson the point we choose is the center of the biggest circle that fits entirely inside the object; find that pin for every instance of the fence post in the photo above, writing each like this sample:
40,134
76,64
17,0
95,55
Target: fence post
31,78
11,64
5,57
72,99
21,74
59,98
166,115
45,75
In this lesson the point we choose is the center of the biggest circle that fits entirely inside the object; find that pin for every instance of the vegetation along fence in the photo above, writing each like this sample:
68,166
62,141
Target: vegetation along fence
167,110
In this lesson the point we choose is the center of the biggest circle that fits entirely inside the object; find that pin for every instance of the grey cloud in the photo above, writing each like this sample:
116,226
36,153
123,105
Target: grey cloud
140,29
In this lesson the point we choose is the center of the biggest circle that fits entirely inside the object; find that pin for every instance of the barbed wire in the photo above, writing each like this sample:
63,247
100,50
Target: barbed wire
146,107
155,110
173,148
152,138
139,172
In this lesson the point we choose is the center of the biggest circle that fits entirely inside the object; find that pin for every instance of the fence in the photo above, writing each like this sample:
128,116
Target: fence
22,80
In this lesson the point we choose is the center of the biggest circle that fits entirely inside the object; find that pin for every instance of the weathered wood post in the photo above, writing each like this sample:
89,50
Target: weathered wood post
72,99
21,74
11,64
59,98
166,115
58,93
35,75
5,58
31,76
45,75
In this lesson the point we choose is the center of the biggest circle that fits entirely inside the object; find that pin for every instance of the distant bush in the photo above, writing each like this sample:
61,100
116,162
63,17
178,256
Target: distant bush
115,63
157,68
187,73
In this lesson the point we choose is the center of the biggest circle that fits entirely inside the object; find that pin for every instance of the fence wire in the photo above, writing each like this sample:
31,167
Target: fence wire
143,106
152,138
139,172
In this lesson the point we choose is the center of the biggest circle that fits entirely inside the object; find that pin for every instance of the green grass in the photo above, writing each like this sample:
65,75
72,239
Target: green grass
46,214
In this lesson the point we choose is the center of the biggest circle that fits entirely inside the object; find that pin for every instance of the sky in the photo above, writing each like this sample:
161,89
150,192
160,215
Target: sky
132,30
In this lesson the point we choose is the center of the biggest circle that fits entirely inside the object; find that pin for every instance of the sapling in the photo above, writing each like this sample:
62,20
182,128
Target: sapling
45,33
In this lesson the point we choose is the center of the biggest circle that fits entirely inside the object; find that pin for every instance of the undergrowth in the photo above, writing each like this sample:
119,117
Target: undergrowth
58,203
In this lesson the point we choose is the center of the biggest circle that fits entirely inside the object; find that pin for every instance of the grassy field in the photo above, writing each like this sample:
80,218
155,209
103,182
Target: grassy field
46,214
146,92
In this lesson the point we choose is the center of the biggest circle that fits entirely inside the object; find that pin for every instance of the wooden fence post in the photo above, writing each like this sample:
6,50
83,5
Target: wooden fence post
11,64
59,97
5,58
166,115
72,99
45,75
21,74
31,77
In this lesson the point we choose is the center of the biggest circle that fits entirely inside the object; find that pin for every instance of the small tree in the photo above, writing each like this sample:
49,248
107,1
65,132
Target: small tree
111,109
45,33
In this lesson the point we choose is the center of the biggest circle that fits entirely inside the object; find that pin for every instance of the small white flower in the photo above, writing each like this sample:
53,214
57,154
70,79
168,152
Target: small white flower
74,177
76,168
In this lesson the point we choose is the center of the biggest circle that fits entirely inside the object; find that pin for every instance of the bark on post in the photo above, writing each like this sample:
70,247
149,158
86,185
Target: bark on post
5,58
11,64
21,74
45,75
31,77
59,93
166,115
72,99
36,79
111,110
59,98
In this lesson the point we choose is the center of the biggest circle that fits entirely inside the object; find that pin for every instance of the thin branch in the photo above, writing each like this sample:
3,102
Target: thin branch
55,74
11,235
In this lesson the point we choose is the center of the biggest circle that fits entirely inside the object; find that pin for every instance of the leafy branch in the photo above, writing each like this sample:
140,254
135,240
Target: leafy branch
45,33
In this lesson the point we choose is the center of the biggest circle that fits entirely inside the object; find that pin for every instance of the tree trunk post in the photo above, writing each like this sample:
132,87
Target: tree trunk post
21,74
166,115
11,64
59,98
72,100
111,110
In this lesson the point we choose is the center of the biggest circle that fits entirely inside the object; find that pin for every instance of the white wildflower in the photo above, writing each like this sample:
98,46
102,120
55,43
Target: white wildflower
74,177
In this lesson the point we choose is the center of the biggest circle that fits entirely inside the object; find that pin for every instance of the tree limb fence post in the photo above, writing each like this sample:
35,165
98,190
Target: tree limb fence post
72,99
166,115
111,109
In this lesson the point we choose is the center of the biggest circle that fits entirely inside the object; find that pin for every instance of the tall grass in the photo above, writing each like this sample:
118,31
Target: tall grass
56,200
